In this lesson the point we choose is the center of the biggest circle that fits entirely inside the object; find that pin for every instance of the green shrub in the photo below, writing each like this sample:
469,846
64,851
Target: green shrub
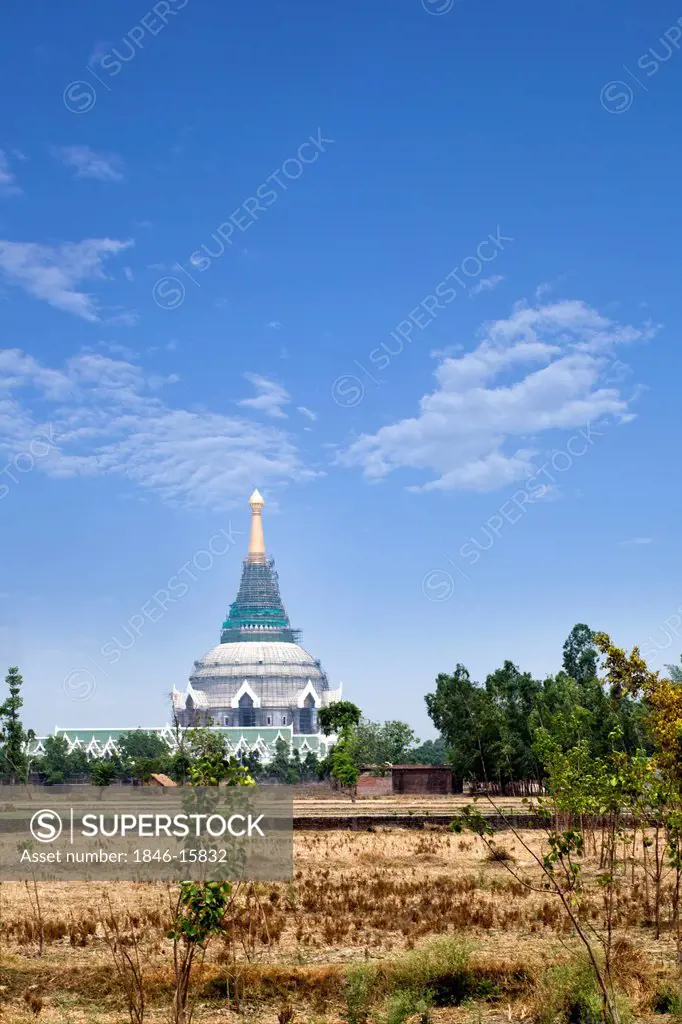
438,974
406,1003
358,993
440,969
569,993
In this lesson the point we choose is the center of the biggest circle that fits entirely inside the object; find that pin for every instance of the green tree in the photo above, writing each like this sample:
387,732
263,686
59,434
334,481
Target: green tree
57,764
143,754
339,715
383,743
310,769
344,762
471,724
253,764
201,908
283,766
137,743
13,737
342,717
368,743
514,694
580,654
204,757
430,752
199,915
103,771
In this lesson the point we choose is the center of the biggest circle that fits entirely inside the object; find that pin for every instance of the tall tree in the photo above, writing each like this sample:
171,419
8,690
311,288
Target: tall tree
580,654
515,694
343,717
13,759
338,716
283,766
470,722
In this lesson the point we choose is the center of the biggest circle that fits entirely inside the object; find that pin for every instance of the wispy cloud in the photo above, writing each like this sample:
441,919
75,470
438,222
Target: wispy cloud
636,541
119,350
270,396
8,185
274,325
486,284
89,164
52,272
306,412
99,51
477,432
128,318
108,417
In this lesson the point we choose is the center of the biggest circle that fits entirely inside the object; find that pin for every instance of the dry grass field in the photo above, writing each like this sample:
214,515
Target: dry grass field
401,906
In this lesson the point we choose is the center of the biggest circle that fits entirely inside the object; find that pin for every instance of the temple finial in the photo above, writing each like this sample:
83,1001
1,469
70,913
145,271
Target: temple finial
257,540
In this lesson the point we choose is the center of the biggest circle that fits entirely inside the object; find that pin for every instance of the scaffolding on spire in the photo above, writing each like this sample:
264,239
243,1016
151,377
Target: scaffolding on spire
258,613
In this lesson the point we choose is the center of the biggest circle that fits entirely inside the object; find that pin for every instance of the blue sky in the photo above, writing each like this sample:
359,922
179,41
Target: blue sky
412,271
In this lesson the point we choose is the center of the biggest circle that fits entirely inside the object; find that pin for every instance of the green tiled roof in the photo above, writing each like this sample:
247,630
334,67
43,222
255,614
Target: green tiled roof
251,736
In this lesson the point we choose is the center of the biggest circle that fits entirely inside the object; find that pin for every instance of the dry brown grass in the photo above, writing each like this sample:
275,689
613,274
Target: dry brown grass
356,897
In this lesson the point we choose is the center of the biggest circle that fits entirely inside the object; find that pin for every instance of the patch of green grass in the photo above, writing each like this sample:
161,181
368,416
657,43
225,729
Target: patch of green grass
405,1004
442,969
438,974
666,1000
358,994
569,993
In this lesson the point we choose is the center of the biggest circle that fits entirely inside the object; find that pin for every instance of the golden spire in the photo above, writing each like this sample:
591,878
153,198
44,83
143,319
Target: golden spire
257,541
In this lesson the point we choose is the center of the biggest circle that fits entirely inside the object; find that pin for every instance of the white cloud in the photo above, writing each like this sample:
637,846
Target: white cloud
89,164
128,273
128,318
637,541
306,412
8,185
51,272
108,417
270,396
542,369
486,284
274,325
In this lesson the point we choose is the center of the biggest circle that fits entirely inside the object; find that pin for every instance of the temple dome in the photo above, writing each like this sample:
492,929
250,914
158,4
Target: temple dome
277,672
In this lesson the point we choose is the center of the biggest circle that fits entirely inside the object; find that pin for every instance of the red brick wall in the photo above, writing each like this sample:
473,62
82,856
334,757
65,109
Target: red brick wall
422,780
369,786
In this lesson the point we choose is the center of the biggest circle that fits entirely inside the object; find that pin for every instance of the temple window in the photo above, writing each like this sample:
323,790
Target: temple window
247,714
305,718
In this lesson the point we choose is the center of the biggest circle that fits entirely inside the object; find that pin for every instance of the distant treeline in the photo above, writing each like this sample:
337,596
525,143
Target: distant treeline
499,732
